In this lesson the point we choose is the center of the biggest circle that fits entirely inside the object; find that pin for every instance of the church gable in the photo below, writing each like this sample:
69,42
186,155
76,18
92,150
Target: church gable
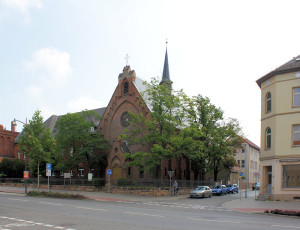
124,100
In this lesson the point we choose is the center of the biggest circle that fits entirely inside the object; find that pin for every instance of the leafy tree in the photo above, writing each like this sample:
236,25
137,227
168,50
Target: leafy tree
12,168
37,142
219,138
156,130
77,141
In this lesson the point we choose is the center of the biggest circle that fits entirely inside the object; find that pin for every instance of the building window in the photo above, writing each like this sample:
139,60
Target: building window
268,102
296,135
296,96
243,164
289,173
268,138
129,171
141,172
126,86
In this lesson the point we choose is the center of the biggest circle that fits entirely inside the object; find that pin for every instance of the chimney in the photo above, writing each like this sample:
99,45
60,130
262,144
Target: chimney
13,126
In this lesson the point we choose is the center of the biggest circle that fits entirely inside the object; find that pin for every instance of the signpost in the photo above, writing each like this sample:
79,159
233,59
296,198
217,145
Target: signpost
241,174
48,173
109,172
170,175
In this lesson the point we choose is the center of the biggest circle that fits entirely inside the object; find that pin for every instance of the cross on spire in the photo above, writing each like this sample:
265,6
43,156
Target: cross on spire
126,58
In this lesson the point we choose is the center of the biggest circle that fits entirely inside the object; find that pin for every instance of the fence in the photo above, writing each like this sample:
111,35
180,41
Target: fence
98,182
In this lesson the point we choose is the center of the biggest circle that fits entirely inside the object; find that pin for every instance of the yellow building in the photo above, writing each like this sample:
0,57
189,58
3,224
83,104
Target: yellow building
280,132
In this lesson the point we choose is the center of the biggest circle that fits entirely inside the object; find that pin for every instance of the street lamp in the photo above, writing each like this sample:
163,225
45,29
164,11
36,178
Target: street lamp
24,156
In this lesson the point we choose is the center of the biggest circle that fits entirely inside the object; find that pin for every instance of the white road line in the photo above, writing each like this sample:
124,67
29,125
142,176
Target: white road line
282,226
142,214
17,199
95,209
32,223
50,203
219,221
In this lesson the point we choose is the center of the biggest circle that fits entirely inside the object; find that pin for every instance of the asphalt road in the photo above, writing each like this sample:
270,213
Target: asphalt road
20,212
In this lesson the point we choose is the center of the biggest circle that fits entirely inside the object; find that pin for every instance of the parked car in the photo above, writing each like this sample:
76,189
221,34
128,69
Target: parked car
219,190
232,188
201,191
256,186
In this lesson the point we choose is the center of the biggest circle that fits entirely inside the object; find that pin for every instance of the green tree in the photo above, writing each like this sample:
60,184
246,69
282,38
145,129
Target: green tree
156,130
219,138
77,142
37,142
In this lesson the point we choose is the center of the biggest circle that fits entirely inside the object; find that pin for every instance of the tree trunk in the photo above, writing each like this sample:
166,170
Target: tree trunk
38,175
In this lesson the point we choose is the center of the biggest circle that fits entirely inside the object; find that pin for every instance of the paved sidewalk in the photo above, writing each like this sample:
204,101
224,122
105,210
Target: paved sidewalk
249,205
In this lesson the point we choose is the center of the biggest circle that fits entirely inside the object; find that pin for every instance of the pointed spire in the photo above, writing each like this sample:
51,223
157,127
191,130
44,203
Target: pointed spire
166,73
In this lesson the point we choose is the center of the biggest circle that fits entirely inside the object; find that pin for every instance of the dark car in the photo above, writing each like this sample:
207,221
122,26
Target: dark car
201,191
256,186
232,188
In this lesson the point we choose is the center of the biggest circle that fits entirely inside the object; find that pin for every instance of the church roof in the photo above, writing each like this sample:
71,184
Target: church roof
51,121
291,66
166,72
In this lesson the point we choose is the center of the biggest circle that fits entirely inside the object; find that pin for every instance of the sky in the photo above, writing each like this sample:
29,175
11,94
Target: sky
64,56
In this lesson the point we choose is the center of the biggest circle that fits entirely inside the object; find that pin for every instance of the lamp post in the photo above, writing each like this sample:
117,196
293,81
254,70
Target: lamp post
24,156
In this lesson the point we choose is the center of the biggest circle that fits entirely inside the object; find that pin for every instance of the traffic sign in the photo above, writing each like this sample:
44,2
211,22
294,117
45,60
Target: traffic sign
48,173
109,172
48,166
241,174
25,174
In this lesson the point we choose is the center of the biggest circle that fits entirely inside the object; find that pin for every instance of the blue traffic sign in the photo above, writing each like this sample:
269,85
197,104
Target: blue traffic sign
48,166
109,172
241,174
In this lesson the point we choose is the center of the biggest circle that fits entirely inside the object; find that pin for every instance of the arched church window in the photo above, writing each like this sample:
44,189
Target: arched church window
126,86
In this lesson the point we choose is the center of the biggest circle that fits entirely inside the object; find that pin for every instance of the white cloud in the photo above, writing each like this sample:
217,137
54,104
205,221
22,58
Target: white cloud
33,91
23,6
52,63
83,103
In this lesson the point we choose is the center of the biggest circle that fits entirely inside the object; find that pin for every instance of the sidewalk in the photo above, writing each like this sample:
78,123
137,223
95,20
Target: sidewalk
249,204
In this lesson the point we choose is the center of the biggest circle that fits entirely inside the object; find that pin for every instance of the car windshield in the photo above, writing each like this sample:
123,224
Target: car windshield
200,188
218,186
229,185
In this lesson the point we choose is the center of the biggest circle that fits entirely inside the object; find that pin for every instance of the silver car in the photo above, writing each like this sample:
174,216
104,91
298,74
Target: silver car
201,191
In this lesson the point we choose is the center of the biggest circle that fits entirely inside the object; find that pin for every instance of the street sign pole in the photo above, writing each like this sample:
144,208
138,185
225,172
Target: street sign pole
48,172
241,174
109,173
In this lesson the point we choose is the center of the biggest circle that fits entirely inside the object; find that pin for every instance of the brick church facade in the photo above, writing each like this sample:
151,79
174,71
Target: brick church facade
125,99
114,118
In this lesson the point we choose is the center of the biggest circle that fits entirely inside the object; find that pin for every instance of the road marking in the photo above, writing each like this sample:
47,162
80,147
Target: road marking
50,203
29,223
281,226
17,199
142,214
95,209
219,221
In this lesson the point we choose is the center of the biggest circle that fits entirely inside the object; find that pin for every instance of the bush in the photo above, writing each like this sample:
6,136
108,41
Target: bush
98,182
55,195
13,168
123,181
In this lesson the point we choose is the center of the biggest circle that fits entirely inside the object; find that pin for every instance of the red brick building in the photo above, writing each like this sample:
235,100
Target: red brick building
8,147
114,118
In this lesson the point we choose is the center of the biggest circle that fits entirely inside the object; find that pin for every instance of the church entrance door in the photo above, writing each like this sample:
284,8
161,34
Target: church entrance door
116,173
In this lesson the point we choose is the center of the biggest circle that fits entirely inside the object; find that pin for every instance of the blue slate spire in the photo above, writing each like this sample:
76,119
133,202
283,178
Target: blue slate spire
166,73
